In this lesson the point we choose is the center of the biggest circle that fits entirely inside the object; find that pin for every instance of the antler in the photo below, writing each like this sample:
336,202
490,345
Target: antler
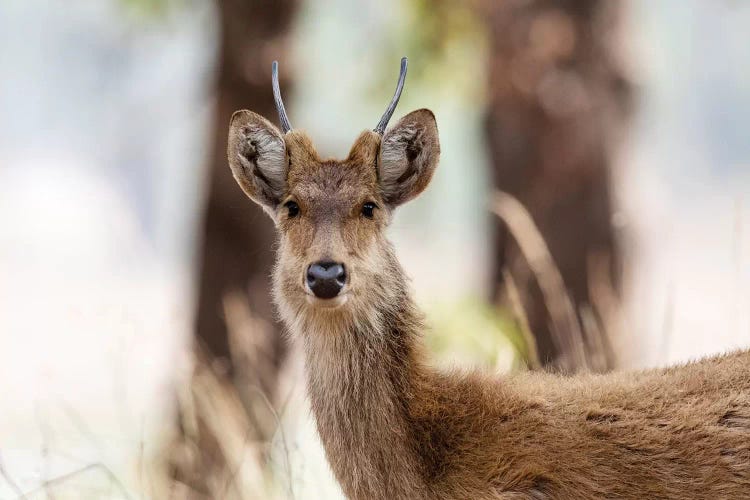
380,129
285,125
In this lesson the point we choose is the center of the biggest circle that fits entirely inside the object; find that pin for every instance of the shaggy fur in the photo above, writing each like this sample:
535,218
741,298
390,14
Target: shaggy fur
393,427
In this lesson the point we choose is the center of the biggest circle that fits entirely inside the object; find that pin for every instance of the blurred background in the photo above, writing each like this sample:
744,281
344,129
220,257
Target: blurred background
590,212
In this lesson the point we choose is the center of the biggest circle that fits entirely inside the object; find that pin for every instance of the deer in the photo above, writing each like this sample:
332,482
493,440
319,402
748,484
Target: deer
393,426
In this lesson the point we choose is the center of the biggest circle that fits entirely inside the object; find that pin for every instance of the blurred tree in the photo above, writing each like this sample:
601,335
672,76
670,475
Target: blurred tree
239,349
556,101
235,327
236,254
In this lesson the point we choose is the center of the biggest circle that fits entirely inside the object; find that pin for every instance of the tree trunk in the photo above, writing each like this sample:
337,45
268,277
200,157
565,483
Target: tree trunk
237,242
238,347
556,103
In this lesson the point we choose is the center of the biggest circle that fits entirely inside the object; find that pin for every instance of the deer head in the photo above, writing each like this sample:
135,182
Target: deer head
330,214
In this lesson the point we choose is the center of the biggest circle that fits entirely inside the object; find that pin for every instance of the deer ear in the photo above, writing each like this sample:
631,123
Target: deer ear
257,156
409,154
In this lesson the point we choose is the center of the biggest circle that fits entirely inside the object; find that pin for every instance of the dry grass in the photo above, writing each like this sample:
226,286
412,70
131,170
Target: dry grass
578,335
228,422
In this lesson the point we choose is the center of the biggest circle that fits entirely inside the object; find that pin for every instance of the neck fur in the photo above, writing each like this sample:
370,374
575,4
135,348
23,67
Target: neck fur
363,373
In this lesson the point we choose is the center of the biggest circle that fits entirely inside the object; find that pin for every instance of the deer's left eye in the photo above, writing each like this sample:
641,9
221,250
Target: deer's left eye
368,209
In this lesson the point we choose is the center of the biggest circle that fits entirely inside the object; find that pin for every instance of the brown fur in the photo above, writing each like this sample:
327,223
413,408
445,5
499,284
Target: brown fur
393,427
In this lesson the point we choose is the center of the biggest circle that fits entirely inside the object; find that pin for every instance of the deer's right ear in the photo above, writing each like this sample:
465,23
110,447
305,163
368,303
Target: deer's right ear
257,156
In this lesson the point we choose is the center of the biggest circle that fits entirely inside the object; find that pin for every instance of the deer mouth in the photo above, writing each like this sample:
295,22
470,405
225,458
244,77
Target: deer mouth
332,303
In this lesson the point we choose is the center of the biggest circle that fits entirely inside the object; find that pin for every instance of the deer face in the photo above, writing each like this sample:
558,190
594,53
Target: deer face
331,214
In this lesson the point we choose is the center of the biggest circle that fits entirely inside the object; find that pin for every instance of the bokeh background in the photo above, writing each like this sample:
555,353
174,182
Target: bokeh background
590,213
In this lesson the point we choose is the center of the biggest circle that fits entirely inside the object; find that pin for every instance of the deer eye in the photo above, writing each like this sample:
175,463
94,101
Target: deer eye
292,209
368,209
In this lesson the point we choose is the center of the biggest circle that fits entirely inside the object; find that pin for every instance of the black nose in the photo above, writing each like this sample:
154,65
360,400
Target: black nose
326,279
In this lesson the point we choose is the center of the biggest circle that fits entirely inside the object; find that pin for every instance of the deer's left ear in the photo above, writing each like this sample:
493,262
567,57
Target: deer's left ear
409,153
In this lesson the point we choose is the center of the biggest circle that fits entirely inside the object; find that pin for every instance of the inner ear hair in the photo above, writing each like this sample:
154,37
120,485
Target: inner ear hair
249,155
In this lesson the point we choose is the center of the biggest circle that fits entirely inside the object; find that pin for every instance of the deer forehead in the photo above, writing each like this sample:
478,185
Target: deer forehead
332,181
329,180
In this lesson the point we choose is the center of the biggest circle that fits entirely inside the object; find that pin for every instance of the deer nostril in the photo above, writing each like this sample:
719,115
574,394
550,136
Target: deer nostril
326,279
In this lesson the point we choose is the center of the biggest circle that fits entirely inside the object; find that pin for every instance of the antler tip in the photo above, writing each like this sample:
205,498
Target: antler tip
285,125
383,123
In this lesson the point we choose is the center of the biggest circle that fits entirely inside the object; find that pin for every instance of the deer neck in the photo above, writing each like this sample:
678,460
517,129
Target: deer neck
363,374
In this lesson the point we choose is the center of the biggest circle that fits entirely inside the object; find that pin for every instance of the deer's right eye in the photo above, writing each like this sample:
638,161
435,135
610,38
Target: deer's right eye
292,209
